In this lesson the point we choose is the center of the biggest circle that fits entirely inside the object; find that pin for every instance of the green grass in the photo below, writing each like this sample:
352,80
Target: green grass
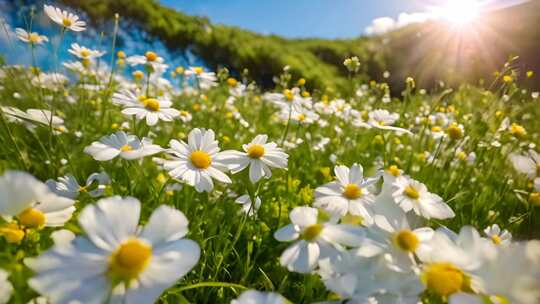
239,250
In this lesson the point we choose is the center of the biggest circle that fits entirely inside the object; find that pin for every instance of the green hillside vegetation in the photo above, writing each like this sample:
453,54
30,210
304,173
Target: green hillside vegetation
428,52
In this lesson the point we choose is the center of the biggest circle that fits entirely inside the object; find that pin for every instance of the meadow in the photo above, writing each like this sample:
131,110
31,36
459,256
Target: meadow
126,180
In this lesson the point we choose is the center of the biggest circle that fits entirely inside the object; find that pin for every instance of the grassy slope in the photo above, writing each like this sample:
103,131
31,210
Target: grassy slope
428,52
317,60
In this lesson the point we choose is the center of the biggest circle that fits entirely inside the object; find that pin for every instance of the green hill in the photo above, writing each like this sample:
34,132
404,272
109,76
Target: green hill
429,52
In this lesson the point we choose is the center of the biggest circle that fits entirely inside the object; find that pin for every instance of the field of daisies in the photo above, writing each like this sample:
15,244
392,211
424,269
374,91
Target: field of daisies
127,180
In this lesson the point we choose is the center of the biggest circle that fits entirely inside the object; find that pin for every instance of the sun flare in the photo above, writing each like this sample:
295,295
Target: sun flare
459,12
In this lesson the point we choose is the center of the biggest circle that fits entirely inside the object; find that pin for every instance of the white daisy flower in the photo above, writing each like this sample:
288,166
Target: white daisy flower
197,161
302,116
185,116
6,289
498,236
117,261
259,155
349,193
32,38
83,52
204,79
121,144
150,59
64,18
67,186
511,274
31,203
314,241
410,194
362,280
528,164
150,109
396,241
381,119
247,206
258,297
289,98
449,260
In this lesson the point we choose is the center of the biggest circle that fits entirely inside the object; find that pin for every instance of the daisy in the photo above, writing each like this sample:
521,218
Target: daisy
32,37
185,116
257,297
151,109
65,19
29,202
247,206
150,59
497,236
450,259
302,116
197,161
359,279
121,144
410,194
67,186
349,193
289,99
382,119
84,53
6,289
313,240
117,260
511,274
396,241
259,155
528,164
205,80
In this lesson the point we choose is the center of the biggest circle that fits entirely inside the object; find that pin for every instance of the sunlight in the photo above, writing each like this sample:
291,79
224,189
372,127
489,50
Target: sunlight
460,12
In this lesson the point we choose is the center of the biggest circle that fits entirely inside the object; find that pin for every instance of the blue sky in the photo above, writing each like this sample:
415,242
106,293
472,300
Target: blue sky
308,18
298,18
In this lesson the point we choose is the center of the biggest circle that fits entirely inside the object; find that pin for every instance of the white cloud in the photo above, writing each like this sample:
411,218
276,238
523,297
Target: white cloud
385,24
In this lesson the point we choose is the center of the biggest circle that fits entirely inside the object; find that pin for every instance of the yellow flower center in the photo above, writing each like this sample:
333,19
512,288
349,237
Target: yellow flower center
255,151
350,219
496,239
129,260
151,104
232,82
138,75
301,117
83,189
85,53
34,38
445,279
289,96
198,70
200,159
461,155
67,22
406,240
32,218
126,148
121,54
352,191
394,170
150,56
436,129
518,130
311,232
454,131
411,192
534,198
12,233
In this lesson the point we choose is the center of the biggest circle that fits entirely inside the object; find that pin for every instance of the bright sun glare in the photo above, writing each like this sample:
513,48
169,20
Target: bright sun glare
460,12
